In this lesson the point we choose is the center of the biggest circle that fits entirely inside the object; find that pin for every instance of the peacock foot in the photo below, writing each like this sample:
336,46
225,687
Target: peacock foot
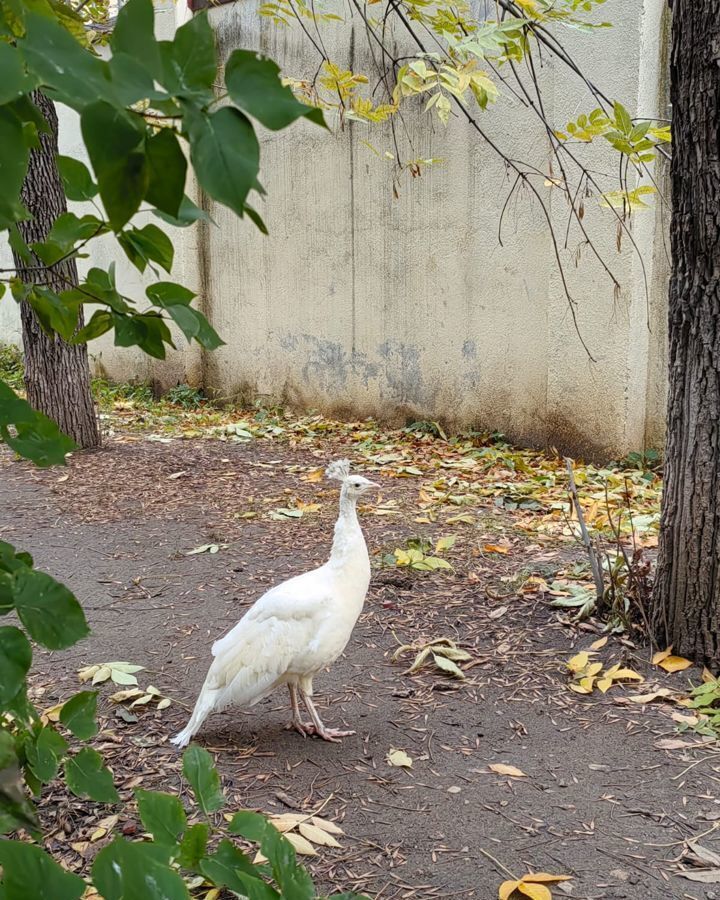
329,734
303,728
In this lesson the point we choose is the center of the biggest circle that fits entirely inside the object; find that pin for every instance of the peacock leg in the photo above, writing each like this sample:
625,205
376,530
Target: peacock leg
296,723
327,734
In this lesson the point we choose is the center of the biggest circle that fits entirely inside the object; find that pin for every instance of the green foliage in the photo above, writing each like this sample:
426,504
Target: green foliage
11,366
160,869
136,110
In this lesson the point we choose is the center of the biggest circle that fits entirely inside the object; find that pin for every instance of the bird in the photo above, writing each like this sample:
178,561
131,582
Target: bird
295,629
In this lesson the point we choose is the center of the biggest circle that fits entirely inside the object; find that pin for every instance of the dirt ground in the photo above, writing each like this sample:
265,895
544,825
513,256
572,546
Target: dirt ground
603,801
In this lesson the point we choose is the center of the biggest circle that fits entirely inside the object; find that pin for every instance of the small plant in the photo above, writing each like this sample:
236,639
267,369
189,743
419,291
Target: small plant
185,396
11,366
588,675
649,461
431,428
416,556
108,393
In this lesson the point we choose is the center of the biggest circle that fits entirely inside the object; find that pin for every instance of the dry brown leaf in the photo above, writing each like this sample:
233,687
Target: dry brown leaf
599,644
495,548
502,769
659,694
661,655
317,835
330,827
399,758
301,844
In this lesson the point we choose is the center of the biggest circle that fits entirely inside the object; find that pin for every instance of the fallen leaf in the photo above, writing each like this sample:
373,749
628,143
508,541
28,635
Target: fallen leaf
661,655
660,693
704,876
578,662
599,644
317,835
704,853
497,613
445,543
495,548
674,663
534,891
454,789
399,758
301,844
502,769
330,827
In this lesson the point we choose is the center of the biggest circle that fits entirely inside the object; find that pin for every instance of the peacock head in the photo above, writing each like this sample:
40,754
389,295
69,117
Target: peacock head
352,485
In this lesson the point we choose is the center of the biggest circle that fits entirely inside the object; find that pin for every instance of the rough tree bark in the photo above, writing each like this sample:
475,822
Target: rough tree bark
57,374
686,599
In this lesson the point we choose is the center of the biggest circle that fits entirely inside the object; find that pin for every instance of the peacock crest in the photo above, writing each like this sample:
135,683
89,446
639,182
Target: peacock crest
338,470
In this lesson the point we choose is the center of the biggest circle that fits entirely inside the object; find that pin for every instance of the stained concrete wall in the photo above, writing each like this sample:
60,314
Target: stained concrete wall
362,303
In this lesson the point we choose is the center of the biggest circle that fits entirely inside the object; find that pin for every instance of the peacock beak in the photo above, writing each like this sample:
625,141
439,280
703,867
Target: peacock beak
372,484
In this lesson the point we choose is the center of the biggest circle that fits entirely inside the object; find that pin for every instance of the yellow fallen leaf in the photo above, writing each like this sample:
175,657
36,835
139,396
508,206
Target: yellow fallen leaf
545,878
594,668
684,720
399,758
599,644
587,682
97,834
286,822
534,891
502,769
52,713
579,662
580,689
212,894
314,476
301,844
629,674
707,676
317,835
661,655
604,684
507,888
674,663
495,548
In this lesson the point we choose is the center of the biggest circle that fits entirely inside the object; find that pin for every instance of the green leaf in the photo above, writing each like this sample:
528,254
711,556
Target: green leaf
101,321
78,715
193,845
250,825
87,777
16,811
60,62
14,81
15,657
200,771
167,171
145,245
188,214
256,219
13,165
134,35
53,313
162,815
192,58
45,752
76,178
226,155
147,331
29,873
254,84
622,118
176,299
115,141
227,865
37,437
135,871
294,882
48,610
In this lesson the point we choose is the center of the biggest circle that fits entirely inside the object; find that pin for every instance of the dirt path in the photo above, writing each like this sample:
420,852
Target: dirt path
601,801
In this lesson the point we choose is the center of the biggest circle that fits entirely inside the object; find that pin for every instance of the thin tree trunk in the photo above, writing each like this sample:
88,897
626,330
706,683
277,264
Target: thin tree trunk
686,599
57,374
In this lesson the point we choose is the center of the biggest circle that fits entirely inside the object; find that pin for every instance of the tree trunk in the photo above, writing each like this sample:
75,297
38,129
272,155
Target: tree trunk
57,374
686,599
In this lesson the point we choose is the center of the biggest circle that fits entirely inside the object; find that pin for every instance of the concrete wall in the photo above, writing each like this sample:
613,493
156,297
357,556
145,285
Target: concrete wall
362,303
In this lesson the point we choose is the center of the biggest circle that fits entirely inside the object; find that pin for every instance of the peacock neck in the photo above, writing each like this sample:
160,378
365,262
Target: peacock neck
348,539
